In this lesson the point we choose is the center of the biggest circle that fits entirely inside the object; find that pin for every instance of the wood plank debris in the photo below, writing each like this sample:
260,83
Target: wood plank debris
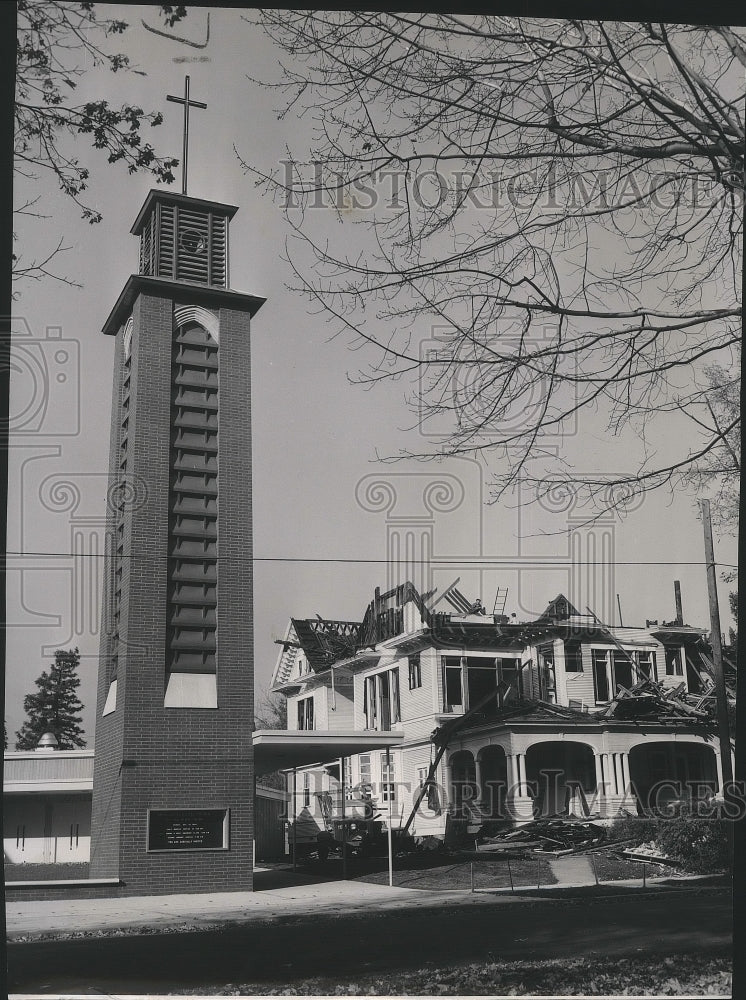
551,835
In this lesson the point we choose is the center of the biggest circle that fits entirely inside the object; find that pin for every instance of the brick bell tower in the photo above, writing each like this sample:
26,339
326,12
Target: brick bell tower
173,789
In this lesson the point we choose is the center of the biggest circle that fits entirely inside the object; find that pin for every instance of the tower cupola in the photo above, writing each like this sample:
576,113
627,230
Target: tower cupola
184,238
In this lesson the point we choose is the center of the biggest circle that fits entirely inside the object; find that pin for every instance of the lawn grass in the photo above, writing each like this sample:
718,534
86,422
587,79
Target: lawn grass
611,867
443,872
649,975
494,871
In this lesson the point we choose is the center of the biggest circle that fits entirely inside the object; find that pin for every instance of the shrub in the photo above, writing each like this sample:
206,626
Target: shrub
638,829
698,845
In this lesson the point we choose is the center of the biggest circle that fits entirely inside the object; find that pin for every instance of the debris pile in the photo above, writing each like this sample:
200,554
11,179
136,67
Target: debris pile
558,836
650,698
649,852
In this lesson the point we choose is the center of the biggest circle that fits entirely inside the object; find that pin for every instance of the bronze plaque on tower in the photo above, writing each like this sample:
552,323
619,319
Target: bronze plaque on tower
187,829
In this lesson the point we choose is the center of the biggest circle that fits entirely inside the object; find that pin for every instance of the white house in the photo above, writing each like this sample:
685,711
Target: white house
500,720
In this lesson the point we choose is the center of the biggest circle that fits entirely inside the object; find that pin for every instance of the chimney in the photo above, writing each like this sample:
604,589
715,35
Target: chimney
677,597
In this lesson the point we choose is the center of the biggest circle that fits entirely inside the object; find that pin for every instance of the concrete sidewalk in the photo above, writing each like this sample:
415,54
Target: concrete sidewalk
192,911
35,918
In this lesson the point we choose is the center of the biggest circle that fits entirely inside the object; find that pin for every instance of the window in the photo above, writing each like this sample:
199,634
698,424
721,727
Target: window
647,665
381,700
303,666
347,778
306,789
601,672
547,681
388,788
615,668
510,673
415,671
453,694
573,658
624,671
365,786
370,702
481,681
674,667
470,680
430,798
394,692
305,713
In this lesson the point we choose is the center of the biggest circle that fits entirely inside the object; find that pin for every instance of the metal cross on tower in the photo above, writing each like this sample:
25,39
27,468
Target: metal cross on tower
187,105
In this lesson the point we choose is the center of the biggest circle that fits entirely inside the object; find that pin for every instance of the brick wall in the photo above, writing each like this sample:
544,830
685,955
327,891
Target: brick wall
148,756
108,731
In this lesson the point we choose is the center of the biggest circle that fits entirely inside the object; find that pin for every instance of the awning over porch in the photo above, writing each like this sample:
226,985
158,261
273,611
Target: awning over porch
280,749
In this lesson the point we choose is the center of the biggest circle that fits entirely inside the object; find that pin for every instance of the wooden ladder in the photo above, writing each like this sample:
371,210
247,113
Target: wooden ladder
501,598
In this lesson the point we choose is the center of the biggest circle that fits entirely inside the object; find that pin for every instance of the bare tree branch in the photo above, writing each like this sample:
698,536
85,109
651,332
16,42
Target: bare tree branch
57,43
548,227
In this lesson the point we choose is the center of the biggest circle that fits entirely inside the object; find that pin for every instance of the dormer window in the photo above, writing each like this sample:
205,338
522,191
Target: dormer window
573,658
547,674
674,662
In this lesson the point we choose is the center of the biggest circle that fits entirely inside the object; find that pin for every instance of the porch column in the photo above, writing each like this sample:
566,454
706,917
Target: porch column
513,779
448,772
598,761
520,803
624,761
521,758
618,773
610,774
479,792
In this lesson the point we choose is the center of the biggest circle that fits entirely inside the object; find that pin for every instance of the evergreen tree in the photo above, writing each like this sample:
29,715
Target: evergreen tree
55,705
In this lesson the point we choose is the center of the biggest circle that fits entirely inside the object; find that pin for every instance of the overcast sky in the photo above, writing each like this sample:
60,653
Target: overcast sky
316,437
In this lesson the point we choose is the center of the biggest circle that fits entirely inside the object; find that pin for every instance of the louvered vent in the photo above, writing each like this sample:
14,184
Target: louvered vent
192,564
166,240
119,499
146,247
185,243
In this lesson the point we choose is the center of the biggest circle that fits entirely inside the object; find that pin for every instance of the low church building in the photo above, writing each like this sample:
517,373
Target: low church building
47,818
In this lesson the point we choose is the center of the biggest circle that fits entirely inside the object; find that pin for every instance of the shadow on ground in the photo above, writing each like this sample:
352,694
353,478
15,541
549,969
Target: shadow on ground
297,946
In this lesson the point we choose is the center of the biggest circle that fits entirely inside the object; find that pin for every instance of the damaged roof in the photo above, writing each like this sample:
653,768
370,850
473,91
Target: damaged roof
325,640
646,701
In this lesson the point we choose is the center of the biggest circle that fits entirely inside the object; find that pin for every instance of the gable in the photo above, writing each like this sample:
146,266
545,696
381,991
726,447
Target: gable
558,610
287,657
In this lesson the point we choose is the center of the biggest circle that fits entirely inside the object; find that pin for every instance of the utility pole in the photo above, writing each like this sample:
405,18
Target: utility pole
389,834
717,659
